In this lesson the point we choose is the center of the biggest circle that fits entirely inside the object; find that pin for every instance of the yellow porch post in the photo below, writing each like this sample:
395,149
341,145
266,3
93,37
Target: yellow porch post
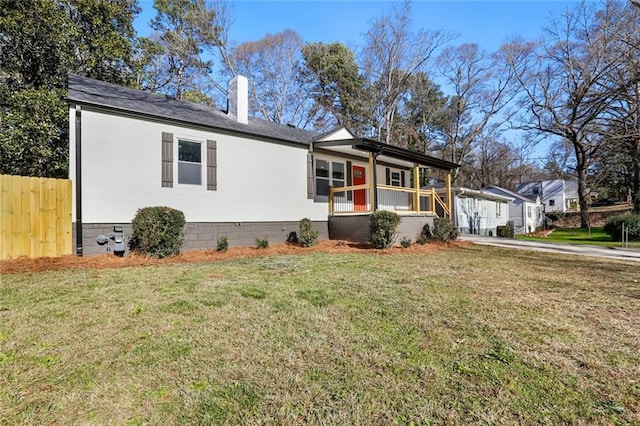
448,185
416,186
372,187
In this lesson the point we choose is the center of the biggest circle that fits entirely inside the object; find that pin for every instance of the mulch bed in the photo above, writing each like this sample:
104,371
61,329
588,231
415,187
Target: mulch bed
109,261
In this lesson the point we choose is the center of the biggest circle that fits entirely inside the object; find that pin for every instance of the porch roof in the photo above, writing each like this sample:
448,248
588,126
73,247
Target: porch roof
385,150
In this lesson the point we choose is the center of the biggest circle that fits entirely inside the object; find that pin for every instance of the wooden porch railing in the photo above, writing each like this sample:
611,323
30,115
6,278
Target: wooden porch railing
356,199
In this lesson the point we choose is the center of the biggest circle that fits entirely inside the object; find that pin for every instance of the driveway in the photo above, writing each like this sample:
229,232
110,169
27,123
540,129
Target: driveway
585,250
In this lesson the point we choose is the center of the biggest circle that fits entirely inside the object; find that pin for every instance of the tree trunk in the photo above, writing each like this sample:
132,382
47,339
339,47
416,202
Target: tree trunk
636,176
581,170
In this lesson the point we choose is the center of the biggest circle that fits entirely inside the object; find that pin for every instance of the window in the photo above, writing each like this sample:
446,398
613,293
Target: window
536,191
529,211
395,179
498,209
189,162
552,203
328,173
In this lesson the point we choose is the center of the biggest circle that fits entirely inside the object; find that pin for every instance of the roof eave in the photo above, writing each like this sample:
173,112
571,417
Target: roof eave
380,148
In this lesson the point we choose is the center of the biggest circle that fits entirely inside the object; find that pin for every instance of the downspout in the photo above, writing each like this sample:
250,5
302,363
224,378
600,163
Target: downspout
78,180
375,180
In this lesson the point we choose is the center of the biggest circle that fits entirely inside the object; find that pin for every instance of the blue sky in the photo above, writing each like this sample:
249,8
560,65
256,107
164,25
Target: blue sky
488,23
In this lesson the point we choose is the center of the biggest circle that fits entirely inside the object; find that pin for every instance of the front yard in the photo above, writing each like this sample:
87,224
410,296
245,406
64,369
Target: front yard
596,236
465,335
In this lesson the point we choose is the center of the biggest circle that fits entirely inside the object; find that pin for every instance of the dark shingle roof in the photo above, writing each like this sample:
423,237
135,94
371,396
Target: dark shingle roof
87,91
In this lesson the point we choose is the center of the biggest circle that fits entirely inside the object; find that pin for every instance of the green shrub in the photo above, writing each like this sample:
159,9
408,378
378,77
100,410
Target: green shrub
405,242
505,231
292,238
157,231
631,222
383,229
306,234
421,239
223,244
442,230
262,243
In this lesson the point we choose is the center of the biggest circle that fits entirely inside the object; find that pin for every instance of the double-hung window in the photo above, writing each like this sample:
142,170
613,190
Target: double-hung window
189,162
328,173
395,178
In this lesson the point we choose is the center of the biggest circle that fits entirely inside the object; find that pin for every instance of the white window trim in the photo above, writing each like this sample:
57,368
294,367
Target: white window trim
203,163
330,179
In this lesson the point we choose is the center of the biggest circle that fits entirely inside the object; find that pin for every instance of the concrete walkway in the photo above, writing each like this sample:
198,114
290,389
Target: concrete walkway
585,250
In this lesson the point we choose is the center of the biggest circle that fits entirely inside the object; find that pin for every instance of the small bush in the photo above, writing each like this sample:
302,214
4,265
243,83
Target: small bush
505,231
405,242
426,232
292,238
442,230
262,243
306,234
223,244
383,229
631,222
421,239
157,231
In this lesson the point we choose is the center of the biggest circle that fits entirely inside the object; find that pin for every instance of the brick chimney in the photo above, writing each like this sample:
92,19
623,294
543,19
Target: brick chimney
238,102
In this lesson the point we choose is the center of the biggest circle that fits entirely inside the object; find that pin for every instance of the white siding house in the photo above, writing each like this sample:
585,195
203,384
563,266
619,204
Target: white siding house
478,212
230,174
558,195
526,213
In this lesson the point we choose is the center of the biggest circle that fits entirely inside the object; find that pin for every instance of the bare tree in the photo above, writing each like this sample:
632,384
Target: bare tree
482,88
562,81
492,162
277,88
392,53
621,22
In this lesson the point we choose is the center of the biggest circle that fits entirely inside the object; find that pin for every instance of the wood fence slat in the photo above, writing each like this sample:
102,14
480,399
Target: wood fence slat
25,218
59,218
42,217
51,217
16,216
5,220
66,214
34,201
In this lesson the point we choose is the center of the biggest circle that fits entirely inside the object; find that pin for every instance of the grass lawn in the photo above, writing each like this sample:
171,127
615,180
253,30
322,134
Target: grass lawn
468,335
580,236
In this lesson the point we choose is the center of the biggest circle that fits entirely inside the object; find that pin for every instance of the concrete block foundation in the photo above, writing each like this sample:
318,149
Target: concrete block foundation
203,235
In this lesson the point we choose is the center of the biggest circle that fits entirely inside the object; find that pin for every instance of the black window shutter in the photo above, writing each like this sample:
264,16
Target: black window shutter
388,175
310,186
212,165
167,160
349,180
402,181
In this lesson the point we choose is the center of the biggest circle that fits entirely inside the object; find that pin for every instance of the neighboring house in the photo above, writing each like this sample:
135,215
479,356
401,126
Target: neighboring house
558,195
527,213
477,212
230,174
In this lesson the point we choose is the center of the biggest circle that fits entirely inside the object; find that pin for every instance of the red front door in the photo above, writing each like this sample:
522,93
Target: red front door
359,195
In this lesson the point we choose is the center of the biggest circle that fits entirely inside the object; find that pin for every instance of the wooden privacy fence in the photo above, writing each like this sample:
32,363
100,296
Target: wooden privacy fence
36,217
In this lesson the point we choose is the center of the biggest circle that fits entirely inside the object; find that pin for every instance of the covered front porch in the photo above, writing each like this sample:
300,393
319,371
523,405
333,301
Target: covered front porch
380,177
